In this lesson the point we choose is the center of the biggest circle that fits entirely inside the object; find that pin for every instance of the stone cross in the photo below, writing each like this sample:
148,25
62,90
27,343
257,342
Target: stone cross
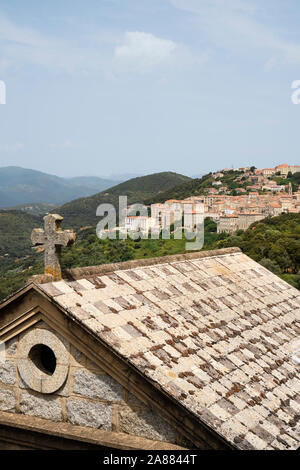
53,238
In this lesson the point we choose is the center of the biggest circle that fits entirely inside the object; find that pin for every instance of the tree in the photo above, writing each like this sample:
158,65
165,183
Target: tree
270,265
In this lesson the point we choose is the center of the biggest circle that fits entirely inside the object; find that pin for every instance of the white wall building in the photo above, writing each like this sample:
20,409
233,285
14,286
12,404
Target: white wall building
136,223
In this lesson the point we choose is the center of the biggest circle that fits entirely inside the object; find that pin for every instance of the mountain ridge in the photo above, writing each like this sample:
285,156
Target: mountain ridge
23,185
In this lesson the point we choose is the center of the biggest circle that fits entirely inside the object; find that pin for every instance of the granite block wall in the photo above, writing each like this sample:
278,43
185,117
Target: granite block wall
89,397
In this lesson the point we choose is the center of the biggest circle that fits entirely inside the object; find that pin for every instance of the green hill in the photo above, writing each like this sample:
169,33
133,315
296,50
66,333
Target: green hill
15,231
185,189
22,185
197,187
82,212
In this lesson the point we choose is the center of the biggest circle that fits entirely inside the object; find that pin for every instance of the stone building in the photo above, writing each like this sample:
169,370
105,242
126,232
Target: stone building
228,223
285,169
245,220
187,351
138,223
267,172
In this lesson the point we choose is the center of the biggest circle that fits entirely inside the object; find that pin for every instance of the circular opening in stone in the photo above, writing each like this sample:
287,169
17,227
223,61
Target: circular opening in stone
43,358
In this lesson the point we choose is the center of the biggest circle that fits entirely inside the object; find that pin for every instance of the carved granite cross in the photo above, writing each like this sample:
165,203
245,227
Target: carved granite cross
53,238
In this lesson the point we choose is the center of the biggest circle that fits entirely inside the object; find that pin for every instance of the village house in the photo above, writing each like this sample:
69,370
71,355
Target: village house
162,216
272,186
286,202
285,169
228,223
275,209
212,191
196,351
232,221
268,172
245,220
256,179
223,190
177,208
244,169
138,223
254,188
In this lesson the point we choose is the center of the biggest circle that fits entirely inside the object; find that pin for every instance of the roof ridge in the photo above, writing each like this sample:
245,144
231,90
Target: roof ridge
78,273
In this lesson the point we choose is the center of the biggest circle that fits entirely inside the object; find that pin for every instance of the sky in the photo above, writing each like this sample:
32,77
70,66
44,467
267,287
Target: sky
106,87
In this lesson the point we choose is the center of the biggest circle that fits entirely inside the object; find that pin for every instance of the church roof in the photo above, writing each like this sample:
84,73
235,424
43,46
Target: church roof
213,330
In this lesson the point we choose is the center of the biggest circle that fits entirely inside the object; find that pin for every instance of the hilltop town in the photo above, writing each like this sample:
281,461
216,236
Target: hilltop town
233,198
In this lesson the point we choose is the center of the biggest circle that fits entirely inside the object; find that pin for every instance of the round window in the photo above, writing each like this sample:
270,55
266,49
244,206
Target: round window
43,361
43,358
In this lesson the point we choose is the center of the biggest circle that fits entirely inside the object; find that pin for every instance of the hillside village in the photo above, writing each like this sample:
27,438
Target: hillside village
273,242
235,199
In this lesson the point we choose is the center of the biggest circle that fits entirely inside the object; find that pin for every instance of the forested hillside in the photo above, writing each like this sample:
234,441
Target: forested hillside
194,187
15,231
273,242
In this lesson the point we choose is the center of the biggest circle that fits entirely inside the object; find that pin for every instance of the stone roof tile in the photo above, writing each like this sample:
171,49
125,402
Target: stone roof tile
215,330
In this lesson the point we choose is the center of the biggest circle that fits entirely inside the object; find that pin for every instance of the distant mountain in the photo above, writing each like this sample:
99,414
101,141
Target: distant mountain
82,212
33,209
120,178
22,185
93,182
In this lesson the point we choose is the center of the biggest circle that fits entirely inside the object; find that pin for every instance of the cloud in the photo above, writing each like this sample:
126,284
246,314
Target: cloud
97,51
22,46
141,52
240,26
144,50
94,50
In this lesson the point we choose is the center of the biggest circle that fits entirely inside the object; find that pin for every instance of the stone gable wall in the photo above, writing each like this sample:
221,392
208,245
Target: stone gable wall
89,397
